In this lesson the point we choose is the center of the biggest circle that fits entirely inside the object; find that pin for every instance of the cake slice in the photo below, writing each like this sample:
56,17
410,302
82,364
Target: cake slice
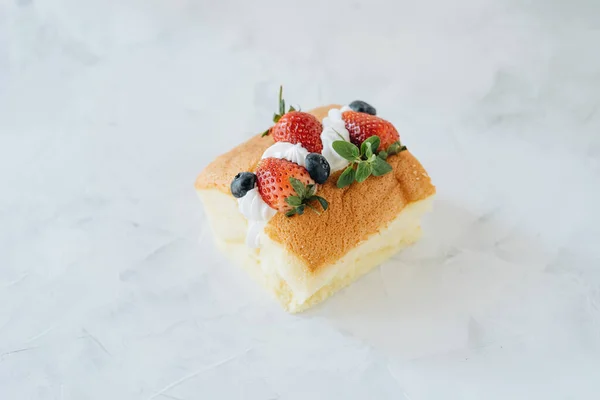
300,256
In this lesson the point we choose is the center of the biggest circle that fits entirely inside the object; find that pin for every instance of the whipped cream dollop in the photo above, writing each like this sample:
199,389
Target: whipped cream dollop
334,129
257,212
288,151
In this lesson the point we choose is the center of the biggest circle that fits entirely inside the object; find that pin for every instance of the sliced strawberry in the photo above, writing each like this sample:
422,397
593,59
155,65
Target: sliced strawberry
362,126
286,186
299,127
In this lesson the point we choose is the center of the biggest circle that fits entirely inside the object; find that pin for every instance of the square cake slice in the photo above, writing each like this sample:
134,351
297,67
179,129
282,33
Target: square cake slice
305,258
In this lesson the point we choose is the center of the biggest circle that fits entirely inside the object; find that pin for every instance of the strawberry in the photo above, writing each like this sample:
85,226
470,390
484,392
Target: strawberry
296,127
286,186
362,126
299,127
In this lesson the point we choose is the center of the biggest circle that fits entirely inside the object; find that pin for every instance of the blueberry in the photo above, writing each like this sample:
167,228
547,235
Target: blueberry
318,167
363,107
242,182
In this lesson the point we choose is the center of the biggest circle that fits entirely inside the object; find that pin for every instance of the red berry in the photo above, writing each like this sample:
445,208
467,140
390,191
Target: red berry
273,180
299,127
362,126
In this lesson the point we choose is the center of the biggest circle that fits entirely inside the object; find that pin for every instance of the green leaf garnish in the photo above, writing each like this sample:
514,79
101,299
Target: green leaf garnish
374,142
368,151
346,149
321,201
299,187
365,161
380,167
363,171
293,201
304,195
347,177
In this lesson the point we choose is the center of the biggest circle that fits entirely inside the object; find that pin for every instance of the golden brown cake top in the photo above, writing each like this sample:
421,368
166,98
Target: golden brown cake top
354,213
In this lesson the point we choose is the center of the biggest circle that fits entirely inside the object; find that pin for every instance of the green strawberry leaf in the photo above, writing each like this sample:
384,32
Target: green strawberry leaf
291,109
346,149
265,133
290,213
363,171
313,208
394,148
324,203
383,155
311,190
380,167
347,177
299,187
300,209
293,201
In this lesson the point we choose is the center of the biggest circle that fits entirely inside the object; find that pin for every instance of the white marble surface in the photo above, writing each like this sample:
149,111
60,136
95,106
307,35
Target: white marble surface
109,109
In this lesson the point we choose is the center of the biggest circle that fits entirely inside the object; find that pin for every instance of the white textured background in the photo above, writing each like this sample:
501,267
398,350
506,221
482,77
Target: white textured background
109,109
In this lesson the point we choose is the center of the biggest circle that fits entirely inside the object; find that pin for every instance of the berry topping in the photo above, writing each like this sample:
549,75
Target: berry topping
286,186
317,167
299,127
362,126
296,127
242,183
363,107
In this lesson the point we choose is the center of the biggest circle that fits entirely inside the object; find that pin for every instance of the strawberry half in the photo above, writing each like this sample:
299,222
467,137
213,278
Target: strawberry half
286,186
362,126
299,127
